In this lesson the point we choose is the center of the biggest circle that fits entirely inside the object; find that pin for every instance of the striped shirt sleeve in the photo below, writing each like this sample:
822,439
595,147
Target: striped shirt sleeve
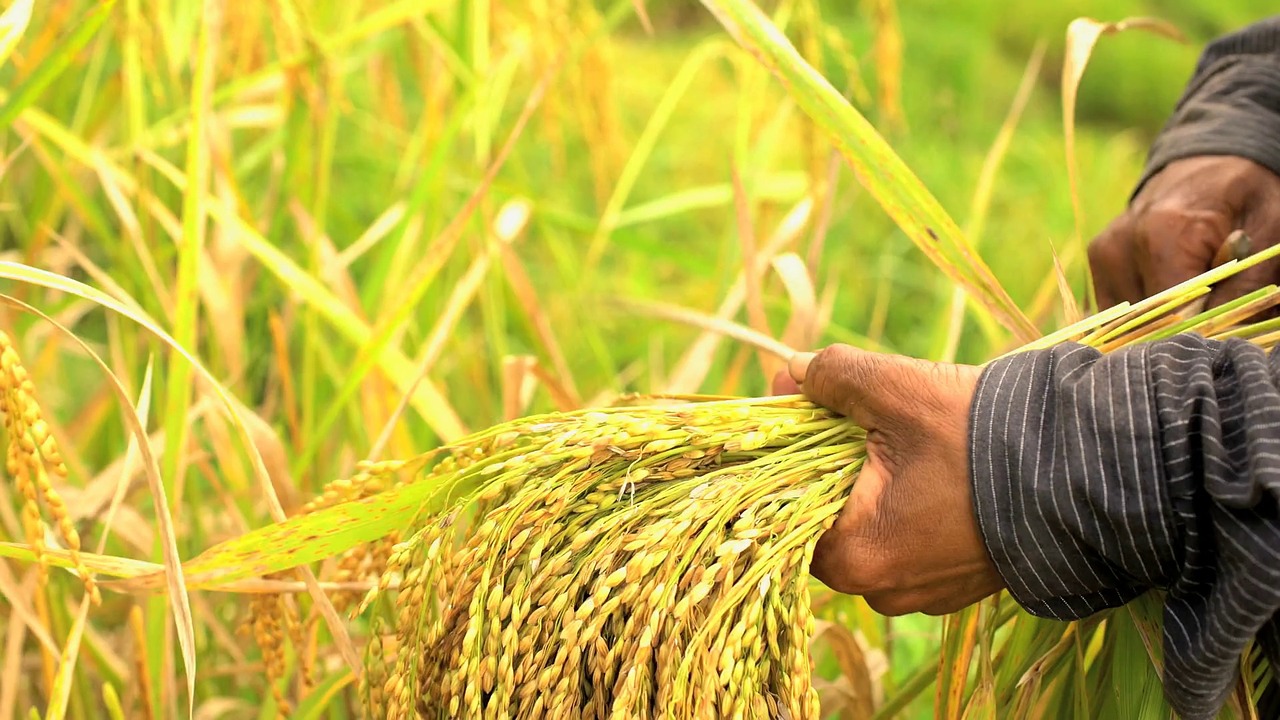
1099,477
1231,104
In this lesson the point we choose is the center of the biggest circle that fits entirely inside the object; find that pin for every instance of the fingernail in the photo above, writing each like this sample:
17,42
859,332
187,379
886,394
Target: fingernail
798,366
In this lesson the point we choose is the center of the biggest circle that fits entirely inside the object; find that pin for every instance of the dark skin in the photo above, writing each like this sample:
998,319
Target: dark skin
908,538
1177,224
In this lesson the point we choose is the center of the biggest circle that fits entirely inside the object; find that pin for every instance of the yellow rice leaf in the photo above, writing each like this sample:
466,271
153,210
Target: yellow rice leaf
1082,36
13,24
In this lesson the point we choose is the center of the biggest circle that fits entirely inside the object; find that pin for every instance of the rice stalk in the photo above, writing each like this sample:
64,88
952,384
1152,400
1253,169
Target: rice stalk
33,462
643,560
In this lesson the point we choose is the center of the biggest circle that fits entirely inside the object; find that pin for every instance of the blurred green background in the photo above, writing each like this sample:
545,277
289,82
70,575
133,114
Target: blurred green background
320,232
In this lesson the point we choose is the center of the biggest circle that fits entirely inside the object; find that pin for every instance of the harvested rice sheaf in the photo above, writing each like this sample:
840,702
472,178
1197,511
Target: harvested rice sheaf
648,560
611,562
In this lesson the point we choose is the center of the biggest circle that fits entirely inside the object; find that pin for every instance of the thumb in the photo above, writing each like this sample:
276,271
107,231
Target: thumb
856,383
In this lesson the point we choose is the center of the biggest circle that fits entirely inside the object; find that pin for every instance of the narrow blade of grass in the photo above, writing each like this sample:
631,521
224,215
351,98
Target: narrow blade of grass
1082,36
13,24
53,65
60,693
1176,295
694,364
460,298
108,565
318,704
186,296
34,276
752,267
980,204
853,665
644,146
802,327
531,305
887,58
517,385
957,653
430,402
710,323
880,170
303,539
21,611
179,601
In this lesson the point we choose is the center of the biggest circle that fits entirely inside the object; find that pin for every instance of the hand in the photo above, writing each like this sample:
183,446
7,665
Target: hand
908,538
1177,224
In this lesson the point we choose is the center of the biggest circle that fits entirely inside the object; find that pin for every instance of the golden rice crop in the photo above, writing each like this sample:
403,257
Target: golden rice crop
34,463
621,560
649,559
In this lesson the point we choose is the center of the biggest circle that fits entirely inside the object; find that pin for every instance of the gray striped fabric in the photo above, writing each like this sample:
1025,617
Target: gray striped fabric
1231,105
1097,478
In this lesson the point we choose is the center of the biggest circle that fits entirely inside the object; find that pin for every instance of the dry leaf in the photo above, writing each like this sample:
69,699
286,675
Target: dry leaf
802,327
696,361
851,659
1082,36
517,385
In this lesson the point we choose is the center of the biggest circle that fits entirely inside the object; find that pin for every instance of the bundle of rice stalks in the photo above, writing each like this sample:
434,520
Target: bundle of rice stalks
650,560
620,561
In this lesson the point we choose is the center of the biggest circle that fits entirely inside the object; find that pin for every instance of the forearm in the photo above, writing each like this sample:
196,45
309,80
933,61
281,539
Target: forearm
1231,105
1097,478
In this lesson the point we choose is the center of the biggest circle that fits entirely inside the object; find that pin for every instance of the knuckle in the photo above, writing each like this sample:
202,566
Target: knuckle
1172,218
1166,209
837,360
926,393
821,379
1242,178
849,568
837,374
828,361
1106,245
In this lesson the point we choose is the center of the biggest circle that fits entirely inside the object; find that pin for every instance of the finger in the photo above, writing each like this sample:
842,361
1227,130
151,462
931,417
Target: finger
849,381
784,384
1177,246
847,563
1113,266
896,603
1262,227
931,599
928,602
834,556
975,589
850,557
798,366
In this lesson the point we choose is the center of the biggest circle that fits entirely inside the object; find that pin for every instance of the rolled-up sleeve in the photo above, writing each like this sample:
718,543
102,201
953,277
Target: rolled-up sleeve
1231,105
1099,477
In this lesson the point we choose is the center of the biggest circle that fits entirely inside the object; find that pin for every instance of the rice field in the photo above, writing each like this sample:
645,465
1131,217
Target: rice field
258,258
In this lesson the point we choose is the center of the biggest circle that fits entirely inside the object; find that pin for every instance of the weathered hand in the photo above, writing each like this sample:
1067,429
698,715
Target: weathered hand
908,538
1177,224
